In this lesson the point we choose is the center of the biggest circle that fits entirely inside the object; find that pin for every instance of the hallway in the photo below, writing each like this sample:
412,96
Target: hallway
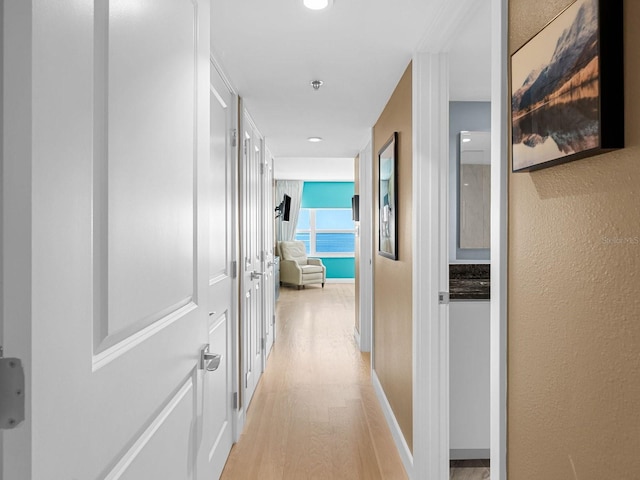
315,414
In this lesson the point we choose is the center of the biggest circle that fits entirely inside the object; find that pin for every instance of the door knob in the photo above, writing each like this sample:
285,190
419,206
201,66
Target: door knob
256,275
209,361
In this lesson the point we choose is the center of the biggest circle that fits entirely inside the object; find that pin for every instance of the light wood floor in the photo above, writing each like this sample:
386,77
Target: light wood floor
470,470
314,413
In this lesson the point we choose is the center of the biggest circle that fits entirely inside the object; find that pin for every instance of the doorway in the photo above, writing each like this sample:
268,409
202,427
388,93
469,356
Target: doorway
431,170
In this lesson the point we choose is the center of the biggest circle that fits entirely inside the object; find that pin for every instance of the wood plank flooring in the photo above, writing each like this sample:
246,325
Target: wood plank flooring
314,414
469,470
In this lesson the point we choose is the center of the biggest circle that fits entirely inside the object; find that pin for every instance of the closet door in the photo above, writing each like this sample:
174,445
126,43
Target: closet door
251,259
106,235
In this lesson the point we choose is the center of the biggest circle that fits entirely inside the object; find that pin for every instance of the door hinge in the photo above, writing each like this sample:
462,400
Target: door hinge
11,392
234,137
234,269
245,147
235,400
443,298
263,343
262,169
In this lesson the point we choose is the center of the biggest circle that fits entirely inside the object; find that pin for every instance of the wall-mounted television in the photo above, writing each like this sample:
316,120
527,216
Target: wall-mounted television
355,208
283,210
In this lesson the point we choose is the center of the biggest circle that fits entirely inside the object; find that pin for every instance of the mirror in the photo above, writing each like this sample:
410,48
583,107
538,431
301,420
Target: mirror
474,190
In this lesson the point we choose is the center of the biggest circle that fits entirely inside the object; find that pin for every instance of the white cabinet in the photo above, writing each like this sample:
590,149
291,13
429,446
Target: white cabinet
469,379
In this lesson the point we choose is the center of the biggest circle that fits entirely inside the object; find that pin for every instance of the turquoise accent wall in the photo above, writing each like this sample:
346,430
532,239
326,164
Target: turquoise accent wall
331,195
327,194
341,267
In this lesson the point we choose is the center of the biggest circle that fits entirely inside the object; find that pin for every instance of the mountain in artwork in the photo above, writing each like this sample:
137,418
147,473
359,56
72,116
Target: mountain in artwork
559,100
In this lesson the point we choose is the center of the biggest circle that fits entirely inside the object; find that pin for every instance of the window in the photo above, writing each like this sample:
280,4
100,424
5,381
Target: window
327,232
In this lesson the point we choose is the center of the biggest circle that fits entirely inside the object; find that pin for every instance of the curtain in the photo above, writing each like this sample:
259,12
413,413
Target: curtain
287,230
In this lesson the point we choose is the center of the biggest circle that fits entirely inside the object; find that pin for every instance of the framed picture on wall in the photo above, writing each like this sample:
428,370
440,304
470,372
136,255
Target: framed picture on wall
388,199
567,95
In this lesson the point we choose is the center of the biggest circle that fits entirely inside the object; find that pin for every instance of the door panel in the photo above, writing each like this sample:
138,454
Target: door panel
251,273
268,248
154,454
116,312
217,407
217,435
148,228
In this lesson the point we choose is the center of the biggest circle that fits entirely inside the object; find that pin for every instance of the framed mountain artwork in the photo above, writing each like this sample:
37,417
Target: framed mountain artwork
388,198
567,95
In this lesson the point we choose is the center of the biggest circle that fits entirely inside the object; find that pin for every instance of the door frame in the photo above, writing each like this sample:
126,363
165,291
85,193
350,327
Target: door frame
365,229
17,231
499,235
232,159
2,208
431,261
430,180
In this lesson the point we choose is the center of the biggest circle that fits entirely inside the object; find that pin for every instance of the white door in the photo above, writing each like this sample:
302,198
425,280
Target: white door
106,236
217,435
251,288
268,248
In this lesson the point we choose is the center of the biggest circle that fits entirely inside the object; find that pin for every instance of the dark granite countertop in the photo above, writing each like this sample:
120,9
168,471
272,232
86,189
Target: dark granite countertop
469,281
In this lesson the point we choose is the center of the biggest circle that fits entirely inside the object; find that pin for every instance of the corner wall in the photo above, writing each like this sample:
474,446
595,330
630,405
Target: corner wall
574,297
356,191
392,321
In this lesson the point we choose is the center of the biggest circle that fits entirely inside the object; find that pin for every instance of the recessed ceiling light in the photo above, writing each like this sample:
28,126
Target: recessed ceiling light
317,4
314,139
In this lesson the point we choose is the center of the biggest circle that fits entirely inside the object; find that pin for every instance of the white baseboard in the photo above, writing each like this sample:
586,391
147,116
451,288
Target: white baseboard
398,437
469,454
340,280
239,425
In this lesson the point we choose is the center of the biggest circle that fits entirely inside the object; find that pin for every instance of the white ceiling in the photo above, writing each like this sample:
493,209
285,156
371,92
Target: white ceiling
332,169
470,58
272,49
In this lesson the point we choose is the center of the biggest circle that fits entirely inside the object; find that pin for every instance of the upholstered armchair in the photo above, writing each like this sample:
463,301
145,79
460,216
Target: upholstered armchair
296,268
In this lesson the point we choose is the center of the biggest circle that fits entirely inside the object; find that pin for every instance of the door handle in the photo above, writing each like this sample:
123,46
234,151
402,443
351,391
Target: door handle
256,275
209,361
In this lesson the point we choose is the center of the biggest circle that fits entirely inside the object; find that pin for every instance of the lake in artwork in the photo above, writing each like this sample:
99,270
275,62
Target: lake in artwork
556,89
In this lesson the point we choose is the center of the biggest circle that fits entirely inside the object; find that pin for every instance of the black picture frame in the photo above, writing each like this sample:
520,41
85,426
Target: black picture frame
567,88
388,198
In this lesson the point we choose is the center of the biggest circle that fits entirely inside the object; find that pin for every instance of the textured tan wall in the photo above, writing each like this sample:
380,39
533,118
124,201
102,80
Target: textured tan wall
574,297
356,189
392,284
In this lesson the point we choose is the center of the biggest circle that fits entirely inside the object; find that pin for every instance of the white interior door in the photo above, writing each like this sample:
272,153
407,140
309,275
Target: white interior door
217,437
251,287
268,248
105,222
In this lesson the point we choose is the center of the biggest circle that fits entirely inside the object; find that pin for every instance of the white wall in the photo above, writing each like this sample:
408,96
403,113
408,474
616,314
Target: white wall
314,169
469,379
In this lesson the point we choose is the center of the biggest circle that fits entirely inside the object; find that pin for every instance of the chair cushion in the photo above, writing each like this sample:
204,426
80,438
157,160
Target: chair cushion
307,269
294,251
